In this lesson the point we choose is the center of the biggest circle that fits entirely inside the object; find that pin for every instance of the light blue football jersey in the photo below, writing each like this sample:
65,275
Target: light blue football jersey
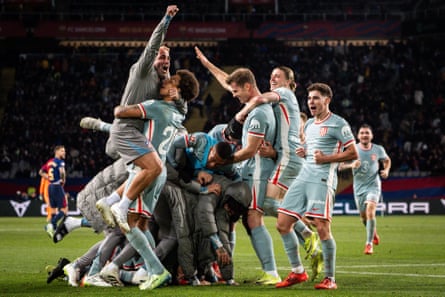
287,115
259,123
329,136
162,125
366,177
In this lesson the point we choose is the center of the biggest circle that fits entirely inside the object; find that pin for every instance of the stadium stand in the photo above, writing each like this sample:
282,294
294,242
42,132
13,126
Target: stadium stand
397,86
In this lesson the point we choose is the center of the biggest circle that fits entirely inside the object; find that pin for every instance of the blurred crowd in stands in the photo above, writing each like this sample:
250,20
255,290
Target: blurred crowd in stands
398,88
32,11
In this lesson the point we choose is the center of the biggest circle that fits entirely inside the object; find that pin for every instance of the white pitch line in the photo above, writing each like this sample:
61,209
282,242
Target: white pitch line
387,273
392,265
378,266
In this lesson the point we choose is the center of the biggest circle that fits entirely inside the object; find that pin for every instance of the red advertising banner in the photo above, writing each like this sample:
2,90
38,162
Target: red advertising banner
329,30
315,30
140,30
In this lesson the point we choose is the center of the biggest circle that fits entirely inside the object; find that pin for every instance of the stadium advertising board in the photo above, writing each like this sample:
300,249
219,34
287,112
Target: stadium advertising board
401,196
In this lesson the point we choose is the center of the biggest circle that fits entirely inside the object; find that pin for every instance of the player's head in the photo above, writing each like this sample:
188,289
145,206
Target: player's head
162,62
242,82
319,97
237,199
233,131
219,154
59,151
188,85
282,76
364,134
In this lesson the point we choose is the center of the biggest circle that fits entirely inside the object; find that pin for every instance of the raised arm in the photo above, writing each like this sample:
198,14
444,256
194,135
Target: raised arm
150,52
218,73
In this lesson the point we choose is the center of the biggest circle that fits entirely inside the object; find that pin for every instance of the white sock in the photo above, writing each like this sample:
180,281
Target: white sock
125,202
113,198
273,273
298,269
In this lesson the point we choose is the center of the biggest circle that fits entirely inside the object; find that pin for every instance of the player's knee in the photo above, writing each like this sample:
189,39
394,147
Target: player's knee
270,207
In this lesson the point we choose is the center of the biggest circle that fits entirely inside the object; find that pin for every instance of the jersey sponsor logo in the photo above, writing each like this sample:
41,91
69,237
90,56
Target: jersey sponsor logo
346,131
323,131
20,207
254,124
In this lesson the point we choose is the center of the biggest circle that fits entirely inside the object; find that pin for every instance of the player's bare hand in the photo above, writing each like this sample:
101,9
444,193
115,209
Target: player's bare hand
356,164
223,256
240,116
384,173
214,188
172,10
300,152
267,151
173,93
200,56
204,178
319,157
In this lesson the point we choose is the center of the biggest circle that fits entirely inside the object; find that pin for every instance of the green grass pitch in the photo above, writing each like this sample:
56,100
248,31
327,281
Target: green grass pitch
410,261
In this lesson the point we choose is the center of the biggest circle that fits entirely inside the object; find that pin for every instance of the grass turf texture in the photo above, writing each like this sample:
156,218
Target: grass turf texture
408,262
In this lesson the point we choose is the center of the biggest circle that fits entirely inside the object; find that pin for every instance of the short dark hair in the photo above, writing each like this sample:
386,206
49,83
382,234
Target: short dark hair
365,126
58,147
188,84
224,150
323,88
241,76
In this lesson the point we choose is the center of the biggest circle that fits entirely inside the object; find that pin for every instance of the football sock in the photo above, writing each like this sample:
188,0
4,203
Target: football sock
370,229
137,238
302,231
232,241
290,242
56,218
124,203
105,127
113,198
329,249
263,246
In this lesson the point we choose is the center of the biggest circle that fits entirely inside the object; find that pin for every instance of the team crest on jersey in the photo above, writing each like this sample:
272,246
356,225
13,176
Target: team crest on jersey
373,157
254,124
323,131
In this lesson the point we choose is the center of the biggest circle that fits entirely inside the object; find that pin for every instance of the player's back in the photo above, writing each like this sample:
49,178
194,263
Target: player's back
163,122
287,115
259,123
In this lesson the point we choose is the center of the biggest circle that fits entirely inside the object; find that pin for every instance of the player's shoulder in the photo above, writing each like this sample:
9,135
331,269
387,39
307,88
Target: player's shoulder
263,109
338,120
285,93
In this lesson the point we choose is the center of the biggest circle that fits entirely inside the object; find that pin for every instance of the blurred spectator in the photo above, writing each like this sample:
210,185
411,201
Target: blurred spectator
394,87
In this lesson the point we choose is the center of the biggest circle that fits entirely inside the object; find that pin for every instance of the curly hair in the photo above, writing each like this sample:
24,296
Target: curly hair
188,84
